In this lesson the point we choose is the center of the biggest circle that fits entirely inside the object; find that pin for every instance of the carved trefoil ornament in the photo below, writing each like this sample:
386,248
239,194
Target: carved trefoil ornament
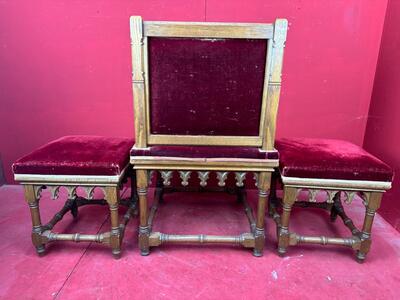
185,175
203,176
222,176
166,176
240,177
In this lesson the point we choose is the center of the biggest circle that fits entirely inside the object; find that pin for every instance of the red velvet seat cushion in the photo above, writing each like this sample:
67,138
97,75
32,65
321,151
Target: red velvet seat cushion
329,159
205,152
77,155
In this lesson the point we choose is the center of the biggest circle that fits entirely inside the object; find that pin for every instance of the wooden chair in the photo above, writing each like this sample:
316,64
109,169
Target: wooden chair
205,100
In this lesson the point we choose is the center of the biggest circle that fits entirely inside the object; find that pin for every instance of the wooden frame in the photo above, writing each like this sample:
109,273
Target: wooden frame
275,34
360,240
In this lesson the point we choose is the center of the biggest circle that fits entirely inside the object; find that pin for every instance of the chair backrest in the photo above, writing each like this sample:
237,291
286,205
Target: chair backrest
206,83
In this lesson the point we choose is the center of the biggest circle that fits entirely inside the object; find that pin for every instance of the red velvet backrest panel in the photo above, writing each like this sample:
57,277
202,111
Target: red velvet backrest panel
206,86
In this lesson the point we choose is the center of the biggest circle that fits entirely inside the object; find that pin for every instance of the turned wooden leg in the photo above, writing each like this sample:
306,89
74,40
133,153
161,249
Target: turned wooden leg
33,203
144,229
373,204
264,182
289,197
112,199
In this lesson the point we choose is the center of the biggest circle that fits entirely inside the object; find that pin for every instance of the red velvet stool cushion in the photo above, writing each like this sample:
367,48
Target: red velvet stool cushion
329,159
205,152
77,155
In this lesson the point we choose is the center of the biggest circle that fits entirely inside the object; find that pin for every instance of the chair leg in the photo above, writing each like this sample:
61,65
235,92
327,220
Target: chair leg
289,198
373,204
112,199
33,203
144,229
264,183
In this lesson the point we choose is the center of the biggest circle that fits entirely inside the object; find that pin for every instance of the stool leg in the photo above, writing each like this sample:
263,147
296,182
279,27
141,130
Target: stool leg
264,183
289,198
374,203
112,199
33,203
144,229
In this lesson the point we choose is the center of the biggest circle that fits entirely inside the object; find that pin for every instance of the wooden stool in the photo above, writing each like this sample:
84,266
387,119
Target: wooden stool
332,166
86,161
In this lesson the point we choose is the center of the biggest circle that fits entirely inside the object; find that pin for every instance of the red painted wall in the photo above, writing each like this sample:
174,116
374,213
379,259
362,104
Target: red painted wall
382,136
65,65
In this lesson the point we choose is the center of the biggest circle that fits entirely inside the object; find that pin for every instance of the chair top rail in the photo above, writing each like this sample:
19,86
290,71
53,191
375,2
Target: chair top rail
208,30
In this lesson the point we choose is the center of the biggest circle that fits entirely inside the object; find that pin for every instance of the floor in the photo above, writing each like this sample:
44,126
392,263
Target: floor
88,271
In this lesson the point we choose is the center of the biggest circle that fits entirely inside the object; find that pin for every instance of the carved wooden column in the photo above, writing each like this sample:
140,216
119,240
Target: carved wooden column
272,91
144,229
373,203
289,198
139,87
112,198
32,197
264,182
